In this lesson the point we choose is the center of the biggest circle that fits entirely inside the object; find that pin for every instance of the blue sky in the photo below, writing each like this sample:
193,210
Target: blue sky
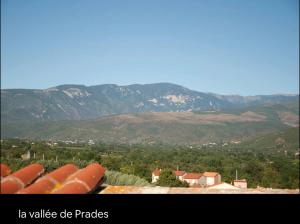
222,46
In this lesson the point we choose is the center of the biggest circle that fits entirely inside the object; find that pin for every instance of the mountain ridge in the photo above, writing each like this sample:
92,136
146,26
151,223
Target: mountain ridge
151,84
80,102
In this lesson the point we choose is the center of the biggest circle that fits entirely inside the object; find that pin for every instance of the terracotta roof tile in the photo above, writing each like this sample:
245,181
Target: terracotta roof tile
21,178
210,174
83,181
192,176
50,181
156,172
4,170
179,173
64,180
73,187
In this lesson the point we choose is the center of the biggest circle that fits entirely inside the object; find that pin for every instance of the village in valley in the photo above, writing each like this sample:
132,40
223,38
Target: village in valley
198,183
211,180
144,169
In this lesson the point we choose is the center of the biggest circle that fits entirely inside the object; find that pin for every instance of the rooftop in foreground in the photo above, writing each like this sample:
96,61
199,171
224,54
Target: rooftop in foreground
190,190
68,179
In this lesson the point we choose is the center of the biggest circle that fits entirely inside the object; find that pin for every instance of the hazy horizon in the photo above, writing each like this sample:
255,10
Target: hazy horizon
283,93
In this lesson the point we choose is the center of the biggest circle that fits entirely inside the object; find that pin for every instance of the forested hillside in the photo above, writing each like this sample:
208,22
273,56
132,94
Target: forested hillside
198,127
271,160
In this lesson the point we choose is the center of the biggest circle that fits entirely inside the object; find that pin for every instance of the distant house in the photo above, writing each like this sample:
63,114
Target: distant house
240,183
155,175
192,178
210,178
27,155
222,186
180,174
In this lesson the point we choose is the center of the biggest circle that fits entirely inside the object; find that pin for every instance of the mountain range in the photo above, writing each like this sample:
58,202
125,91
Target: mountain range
79,102
151,113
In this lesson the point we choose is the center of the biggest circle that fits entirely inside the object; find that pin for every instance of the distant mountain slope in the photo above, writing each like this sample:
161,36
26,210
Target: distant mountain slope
77,102
287,140
167,127
287,113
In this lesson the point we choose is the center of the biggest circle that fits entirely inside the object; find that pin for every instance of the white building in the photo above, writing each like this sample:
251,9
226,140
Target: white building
210,178
192,178
155,175
26,156
180,174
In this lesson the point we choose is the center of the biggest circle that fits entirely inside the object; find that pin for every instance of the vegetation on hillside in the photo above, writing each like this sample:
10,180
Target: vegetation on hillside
271,160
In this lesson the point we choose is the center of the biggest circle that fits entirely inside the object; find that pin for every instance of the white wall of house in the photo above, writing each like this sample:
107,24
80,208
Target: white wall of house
192,182
210,181
154,178
180,178
202,181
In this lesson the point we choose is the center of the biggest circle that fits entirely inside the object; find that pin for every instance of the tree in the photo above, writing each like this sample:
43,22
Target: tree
127,169
168,179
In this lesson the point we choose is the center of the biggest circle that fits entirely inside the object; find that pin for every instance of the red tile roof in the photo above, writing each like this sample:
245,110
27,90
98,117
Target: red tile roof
83,181
21,178
179,173
210,174
64,180
4,170
192,176
50,181
73,188
156,172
